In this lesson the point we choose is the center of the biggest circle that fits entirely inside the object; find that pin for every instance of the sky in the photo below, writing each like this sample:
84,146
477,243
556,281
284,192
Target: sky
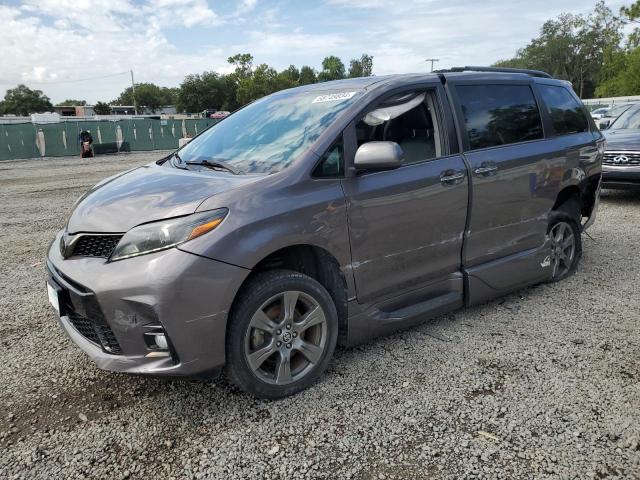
84,49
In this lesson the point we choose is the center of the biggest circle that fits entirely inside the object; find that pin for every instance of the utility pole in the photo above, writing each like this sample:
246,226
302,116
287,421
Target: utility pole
432,60
133,91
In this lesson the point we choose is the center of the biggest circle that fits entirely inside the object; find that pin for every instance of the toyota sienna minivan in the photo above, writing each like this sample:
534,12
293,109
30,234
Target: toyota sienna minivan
333,212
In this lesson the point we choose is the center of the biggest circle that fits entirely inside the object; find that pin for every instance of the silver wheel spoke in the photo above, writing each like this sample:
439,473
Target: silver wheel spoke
283,372
261,321
559,233
257,358
289,301
568,242
311,318
310,351
282,350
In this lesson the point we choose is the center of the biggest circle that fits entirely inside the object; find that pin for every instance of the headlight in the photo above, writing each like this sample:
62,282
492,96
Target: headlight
155,236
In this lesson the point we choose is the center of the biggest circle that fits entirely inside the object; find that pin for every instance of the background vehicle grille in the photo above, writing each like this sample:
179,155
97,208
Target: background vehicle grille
100,334
96,245
618,158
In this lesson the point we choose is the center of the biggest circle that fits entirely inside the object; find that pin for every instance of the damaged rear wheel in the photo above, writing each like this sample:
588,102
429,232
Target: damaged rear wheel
566,245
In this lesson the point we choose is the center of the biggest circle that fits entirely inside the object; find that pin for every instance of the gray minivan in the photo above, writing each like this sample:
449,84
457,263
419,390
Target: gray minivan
333,212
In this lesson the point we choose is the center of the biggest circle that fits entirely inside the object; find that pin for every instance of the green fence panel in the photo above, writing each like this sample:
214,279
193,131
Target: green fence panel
105,132
72,131
18,141
26,140
190,126
124,134
57,142
140,137
165,138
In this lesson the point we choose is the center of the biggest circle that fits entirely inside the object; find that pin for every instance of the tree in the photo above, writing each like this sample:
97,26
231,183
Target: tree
362,67
626,81
288,78
263,81
71,103
209,90
621,67
307,76
101,108
24,101
332,69
573,47
148,95
631,15
244,65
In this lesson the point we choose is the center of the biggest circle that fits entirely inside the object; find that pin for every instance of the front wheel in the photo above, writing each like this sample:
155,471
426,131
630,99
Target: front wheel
282,333
566,245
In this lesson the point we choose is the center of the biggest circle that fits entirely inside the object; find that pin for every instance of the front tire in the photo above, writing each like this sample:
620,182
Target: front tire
281,334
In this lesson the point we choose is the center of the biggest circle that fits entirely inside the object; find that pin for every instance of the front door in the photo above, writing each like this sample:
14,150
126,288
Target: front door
406,224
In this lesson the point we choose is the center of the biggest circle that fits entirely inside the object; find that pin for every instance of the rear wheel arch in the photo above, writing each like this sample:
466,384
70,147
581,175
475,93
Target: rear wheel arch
569,200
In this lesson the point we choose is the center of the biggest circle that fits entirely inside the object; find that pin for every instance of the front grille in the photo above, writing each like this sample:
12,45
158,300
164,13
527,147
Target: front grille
95,245
84,313
96,332
621,159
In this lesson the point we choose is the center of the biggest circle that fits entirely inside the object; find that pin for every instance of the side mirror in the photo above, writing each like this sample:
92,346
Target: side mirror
604,124
378,156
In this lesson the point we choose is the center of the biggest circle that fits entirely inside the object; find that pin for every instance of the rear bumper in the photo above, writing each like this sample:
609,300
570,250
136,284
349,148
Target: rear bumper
620,176
186,295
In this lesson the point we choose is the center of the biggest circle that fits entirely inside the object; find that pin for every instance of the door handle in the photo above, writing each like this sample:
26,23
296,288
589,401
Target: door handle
449,177
485,170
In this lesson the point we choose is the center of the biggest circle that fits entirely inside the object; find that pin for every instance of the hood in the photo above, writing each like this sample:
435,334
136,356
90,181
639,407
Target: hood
146,194
622,139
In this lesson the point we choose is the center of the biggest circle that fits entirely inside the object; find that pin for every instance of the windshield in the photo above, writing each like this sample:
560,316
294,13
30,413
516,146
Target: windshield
615,112
629,120
267,135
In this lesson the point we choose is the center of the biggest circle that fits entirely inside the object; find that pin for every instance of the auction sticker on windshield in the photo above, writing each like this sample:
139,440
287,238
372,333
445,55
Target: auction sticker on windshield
333,97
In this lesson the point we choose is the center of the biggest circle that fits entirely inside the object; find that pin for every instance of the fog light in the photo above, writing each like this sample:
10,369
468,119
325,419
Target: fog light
156,339
161,342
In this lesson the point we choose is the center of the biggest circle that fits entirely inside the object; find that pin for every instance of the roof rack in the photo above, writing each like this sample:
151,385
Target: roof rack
533,73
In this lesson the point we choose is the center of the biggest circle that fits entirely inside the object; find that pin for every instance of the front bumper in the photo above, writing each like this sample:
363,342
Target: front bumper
614,176
188,296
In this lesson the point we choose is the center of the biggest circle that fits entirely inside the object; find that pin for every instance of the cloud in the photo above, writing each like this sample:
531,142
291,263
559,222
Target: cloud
47,42
283,44
44,54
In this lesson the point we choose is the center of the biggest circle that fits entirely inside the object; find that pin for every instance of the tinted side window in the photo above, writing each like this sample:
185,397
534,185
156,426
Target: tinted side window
499,114
332,162
567,115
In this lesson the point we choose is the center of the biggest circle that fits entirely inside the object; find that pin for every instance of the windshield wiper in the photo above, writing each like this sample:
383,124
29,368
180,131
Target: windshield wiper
177,164
217,164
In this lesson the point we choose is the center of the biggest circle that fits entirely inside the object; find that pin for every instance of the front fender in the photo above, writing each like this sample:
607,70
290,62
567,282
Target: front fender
310,212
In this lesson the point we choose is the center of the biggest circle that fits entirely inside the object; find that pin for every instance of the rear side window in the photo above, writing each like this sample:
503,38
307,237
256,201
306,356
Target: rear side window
567,115
499,114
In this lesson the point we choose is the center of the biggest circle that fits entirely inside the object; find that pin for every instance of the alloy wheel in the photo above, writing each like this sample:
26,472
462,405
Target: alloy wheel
286,338
563,248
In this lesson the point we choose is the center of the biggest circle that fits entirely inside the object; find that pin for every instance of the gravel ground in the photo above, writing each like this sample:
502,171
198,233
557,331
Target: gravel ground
544,383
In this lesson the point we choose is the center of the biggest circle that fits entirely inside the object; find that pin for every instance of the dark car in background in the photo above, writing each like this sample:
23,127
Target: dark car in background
621,162
333,212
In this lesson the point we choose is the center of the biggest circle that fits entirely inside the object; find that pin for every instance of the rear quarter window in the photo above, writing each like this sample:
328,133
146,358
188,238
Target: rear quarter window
499,114
567,115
